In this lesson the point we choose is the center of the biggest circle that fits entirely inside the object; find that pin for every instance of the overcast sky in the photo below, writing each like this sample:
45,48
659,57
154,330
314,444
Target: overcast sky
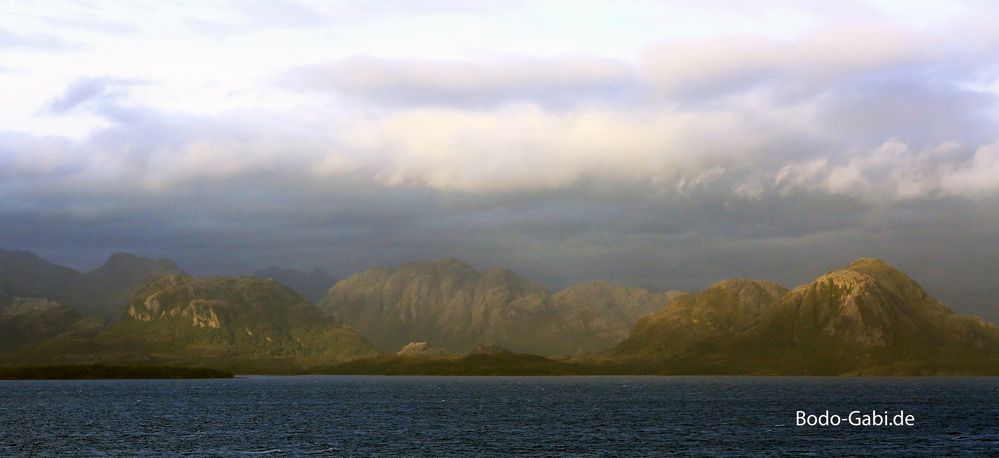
661,144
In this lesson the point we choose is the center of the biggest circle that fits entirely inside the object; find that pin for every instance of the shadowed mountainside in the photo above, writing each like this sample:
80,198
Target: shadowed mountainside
101,292
222,322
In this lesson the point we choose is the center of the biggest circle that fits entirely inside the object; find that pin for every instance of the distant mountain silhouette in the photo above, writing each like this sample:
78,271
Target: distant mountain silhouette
101,292
111,285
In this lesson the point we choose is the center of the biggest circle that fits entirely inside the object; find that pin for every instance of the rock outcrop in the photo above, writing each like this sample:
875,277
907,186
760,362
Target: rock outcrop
420,350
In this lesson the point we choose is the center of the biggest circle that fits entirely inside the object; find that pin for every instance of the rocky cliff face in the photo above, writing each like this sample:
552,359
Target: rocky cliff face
236,319
449,304
866,316
446,303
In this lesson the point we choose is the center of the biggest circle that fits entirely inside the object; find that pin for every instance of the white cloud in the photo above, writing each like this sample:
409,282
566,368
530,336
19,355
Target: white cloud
722,65
525,147
894,171
564,78
977,177
861,108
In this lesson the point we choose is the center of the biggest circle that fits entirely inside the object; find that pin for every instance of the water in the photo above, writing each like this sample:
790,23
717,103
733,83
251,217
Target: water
598,416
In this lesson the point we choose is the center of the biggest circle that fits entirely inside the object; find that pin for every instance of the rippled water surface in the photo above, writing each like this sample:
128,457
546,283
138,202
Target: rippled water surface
345,415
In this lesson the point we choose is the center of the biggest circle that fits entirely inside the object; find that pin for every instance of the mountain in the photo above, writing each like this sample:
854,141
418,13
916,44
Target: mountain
725,309
27,321
223,322
450,305
101,292
312,285
23,273
866,318
445,303
109,287
598,315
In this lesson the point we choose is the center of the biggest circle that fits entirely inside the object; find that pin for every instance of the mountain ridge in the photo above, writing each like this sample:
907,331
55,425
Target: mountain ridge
100,292
221,321
450,304
868,316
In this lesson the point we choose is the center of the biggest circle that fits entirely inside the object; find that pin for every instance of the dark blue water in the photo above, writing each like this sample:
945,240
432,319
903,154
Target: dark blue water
342,415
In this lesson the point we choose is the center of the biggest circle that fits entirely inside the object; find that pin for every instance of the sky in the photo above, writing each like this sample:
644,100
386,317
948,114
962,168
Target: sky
664,144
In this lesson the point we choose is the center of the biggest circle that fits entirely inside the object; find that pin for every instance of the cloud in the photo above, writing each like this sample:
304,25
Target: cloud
697,69
776,153
25,157
557,80
104,90
750,146
32,41
894,171
977,177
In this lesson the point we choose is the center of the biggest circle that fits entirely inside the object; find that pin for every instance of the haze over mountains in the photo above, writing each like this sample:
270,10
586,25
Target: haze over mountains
449,304
865,318
101,292
39,299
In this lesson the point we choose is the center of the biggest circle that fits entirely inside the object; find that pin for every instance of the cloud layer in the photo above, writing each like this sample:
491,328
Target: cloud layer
569,141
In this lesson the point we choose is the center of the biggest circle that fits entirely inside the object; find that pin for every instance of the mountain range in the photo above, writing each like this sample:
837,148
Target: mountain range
866,318
450,305
101,292
40,300
231,323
